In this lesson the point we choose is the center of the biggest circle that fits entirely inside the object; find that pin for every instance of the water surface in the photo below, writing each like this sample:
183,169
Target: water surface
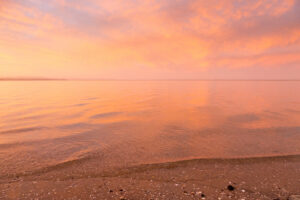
44,123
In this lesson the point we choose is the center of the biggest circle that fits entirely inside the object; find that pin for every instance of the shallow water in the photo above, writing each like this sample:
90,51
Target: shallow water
44,123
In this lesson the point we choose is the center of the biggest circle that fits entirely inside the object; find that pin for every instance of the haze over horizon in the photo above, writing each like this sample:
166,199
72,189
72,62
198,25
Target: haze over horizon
181,39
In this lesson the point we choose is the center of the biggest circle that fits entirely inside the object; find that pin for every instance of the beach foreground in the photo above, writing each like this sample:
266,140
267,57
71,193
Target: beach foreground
239,178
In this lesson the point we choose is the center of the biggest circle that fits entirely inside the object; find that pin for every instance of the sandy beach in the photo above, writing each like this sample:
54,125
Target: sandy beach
240,178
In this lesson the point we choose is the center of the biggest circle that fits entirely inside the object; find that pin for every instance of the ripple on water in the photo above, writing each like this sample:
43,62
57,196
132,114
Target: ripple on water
22,130
104,115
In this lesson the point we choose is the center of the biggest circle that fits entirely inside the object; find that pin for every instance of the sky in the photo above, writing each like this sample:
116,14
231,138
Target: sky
150,39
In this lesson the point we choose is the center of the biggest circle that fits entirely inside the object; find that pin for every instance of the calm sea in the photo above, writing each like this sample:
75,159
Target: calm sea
44,123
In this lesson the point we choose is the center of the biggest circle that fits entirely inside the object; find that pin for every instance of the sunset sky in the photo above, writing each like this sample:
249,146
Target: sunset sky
150,39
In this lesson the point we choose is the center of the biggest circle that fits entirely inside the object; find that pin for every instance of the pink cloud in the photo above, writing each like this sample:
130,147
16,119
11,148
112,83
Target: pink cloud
187,36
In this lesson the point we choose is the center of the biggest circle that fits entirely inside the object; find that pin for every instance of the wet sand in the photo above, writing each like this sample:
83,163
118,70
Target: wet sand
276,177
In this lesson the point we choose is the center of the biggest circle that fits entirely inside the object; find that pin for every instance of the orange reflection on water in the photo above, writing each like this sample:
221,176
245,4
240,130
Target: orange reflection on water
146,121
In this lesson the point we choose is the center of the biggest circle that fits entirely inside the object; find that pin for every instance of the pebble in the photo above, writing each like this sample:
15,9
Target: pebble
230,188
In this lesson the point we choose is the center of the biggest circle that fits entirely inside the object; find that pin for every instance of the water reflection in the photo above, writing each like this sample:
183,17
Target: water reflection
43,123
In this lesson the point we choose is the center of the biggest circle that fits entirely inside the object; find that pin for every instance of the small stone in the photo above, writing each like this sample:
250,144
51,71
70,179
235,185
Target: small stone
111,191
230,188
294,197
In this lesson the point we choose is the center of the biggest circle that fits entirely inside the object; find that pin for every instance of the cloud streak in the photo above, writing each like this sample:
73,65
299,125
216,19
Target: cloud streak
149,39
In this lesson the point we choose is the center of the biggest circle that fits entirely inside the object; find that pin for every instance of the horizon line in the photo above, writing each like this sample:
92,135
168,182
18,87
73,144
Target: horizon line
116,79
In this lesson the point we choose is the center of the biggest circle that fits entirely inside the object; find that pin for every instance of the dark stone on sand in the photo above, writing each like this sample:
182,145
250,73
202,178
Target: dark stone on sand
294,197
230,188
121,190
111,191
202,195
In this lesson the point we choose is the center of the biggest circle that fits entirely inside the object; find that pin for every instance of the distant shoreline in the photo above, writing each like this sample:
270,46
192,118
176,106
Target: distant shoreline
31,79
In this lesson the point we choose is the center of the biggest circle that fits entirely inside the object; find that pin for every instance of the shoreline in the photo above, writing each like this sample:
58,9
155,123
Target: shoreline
252,178
158,165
